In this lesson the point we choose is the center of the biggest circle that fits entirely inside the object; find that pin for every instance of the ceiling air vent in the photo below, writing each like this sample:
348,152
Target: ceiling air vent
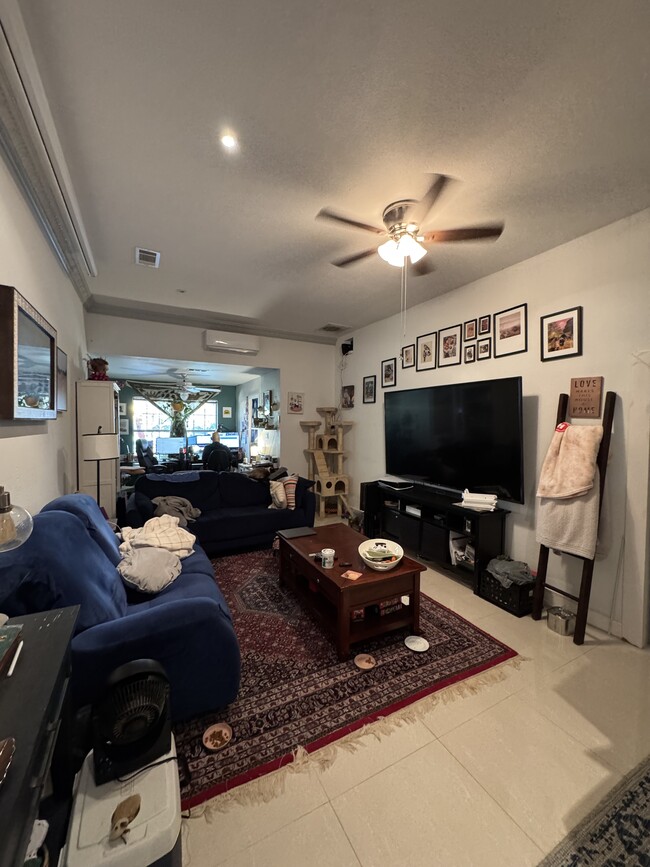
147,257
332,328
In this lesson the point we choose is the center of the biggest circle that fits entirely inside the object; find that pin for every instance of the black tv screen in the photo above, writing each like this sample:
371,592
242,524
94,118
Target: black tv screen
465,435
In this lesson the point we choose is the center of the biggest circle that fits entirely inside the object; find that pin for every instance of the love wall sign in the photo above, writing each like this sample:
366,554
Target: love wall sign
586,397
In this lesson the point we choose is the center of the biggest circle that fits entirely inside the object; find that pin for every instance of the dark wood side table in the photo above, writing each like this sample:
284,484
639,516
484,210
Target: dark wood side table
33,710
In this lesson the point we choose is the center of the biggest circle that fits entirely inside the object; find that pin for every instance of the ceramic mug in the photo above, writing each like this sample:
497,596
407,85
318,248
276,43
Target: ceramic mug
327,555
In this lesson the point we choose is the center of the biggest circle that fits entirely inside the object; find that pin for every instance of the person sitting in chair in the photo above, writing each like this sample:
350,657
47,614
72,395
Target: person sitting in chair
216,456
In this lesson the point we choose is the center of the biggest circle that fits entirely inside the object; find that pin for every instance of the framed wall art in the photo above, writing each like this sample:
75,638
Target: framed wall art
369,389
483,348
389,373
347,397
511,331
408,355
484,325
469,330
61,380
425,354
122,408
226,412
124,426
295,401
561,335
470,353
449,346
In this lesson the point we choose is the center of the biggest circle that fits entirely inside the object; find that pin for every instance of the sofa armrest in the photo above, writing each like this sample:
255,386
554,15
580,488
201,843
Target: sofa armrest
309,507
191,638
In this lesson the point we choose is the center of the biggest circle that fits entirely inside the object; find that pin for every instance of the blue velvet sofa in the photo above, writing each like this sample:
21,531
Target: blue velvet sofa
71,558
235,510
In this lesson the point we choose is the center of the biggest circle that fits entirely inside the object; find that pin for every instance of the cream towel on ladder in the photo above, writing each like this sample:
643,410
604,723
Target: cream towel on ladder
570,524
570,463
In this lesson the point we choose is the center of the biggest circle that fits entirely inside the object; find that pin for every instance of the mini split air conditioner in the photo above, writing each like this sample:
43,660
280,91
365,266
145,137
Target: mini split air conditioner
226,341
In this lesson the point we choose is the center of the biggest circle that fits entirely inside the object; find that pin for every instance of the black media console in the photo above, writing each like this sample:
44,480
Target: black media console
422,520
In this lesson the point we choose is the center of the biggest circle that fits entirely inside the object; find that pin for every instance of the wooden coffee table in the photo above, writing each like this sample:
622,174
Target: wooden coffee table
334,599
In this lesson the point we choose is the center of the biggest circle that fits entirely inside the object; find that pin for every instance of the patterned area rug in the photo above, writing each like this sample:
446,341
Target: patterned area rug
616,833
296,694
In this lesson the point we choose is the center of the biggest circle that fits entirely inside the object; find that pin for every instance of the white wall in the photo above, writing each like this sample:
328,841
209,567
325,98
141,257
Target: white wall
304,367
37,458
608,273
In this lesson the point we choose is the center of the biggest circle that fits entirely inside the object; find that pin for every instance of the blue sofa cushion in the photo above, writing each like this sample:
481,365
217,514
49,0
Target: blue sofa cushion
203,493
91,516
238,490
57,567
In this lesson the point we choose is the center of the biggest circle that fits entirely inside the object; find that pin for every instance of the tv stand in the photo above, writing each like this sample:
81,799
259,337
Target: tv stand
423,520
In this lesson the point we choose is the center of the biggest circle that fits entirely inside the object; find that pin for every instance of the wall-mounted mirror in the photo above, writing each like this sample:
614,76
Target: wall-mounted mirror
27,359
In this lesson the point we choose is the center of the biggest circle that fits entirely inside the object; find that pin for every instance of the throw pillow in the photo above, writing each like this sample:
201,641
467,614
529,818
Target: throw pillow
290,490
278,496
149,570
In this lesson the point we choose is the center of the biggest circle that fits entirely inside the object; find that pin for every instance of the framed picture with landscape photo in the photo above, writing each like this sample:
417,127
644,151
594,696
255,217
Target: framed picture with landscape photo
389,373
561,334
449,345
511,331
425,353
408,355
369,389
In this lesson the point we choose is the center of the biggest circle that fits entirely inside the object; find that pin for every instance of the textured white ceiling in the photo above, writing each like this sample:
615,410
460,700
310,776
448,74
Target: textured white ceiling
540,110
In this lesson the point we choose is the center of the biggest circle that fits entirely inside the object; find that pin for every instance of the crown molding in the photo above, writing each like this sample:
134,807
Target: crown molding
23,147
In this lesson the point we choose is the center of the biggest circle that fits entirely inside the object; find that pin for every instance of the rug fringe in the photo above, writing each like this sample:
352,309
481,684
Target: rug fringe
268,787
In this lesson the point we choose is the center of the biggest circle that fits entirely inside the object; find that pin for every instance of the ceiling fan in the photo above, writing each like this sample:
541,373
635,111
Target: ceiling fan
186,388
402,221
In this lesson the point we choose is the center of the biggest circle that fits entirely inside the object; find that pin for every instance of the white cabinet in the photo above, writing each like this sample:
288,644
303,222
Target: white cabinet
97,406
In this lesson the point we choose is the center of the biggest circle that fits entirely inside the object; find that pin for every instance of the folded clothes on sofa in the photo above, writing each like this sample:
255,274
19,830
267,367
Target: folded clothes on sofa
163,532
148,569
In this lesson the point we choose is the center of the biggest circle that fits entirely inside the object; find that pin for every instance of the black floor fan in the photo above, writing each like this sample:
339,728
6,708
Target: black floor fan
131,724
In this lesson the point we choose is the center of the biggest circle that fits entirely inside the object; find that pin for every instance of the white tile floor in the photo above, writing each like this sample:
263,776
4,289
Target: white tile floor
490,780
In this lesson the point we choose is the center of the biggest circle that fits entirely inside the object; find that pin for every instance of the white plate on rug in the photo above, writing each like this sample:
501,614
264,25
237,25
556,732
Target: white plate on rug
217,736
417,643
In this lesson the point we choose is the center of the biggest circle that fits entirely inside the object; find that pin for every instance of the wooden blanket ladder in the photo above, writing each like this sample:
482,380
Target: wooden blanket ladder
587,565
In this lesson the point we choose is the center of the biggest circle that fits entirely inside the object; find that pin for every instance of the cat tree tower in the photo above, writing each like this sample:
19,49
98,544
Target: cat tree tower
325,455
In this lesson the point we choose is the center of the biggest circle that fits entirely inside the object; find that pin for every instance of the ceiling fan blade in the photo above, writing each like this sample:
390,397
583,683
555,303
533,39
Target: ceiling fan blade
423,267
419,211
350,260
471,233
326,214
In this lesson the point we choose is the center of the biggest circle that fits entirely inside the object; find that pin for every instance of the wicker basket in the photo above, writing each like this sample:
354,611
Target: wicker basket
517,599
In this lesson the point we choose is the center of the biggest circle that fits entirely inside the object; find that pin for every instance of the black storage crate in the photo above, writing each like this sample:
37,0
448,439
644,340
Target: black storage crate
517,599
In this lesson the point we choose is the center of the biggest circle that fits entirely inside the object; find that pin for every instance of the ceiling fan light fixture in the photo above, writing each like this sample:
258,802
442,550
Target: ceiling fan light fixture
390,253
408,246
183,395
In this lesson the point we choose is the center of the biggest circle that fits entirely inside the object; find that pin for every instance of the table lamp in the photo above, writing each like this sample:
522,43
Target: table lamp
100,447
16,523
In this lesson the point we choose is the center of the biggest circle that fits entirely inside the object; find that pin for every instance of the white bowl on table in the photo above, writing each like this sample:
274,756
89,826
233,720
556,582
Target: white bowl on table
374,551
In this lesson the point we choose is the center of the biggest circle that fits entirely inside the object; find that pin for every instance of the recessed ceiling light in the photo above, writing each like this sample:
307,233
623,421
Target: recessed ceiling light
229,141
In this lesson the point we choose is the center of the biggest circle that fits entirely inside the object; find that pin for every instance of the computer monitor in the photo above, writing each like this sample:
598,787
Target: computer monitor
191,441
229,439
203,439
169,445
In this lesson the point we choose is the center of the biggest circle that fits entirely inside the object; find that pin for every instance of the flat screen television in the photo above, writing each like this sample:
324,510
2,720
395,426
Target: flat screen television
464,435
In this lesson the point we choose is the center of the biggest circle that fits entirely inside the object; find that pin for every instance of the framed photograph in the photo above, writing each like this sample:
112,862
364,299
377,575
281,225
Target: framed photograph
484,348
425,354
470,353
226,412
369,389
511,331
561,334
124,426
450,341
347,397
295,401
389,373
469,330
408,355
484,325
122,408
61,380
266,402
